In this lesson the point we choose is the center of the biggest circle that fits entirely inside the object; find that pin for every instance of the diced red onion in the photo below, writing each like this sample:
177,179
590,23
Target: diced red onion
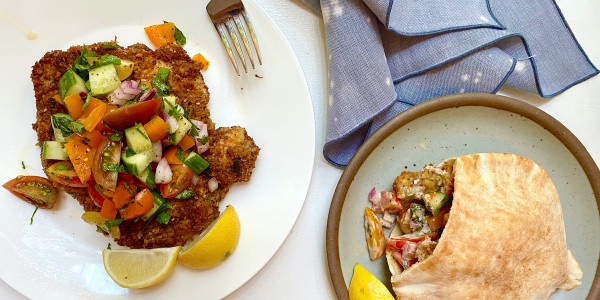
172,122
163,172
387,220
213,184
148,94
157,149
375,198
82,95
126,91
390,203
202,133
408,250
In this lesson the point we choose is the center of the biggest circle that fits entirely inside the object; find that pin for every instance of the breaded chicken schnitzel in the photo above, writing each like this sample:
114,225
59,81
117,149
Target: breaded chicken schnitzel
232,152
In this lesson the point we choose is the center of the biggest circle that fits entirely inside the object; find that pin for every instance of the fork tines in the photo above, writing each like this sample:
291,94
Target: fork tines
231,20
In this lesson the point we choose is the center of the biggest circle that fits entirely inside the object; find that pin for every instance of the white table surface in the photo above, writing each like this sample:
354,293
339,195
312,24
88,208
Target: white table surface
299,269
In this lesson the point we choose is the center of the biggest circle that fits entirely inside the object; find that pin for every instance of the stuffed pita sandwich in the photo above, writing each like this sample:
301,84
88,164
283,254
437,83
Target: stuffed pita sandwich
481,226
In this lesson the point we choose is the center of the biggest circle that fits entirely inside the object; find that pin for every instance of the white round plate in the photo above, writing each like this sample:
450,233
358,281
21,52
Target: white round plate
58,256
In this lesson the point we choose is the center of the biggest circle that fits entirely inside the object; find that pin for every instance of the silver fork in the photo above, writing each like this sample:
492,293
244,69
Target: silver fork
231,20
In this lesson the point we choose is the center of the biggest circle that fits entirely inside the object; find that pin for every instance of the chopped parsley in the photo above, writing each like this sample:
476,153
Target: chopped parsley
186,194
88,98
23,165
160,81
66,124
116,137
108,247
31,219
111,46
112,223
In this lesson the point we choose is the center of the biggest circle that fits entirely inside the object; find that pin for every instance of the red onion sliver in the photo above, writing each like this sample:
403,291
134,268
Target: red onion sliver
148,94
131,87
213,184
163,172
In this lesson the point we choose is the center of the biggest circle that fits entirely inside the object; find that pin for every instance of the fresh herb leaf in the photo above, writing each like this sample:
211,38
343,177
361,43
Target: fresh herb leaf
88,97
112,223
111,46
186,194
179,37
63,167
164,217
31,219
81,66
113,168
76,127
23,165
179,154
160,81
108,247
128,188
129,102
63,122
66,81
175,112
115,137
99,229
204,140
107,59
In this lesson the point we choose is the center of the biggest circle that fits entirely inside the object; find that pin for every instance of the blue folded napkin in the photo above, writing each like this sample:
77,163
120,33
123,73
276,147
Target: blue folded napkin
386,56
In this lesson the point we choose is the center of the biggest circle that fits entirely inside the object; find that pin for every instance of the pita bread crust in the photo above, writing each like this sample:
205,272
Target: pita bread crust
505,236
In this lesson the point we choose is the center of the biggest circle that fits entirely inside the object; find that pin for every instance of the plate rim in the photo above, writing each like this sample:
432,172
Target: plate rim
522,108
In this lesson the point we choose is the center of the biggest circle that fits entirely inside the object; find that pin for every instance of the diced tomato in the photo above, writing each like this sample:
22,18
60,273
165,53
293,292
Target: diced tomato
142,203
126,116
108,154
35,190
171,155
63,172
81,157
96,196
182,178
108,210
398,243
124,193
440,220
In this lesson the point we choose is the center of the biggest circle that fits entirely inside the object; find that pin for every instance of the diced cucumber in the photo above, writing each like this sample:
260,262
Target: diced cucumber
137,139
435,201
158,201
196,162
182,129
58,135
71,84
137,163
169,102
147,177
54,150
124,69
103,80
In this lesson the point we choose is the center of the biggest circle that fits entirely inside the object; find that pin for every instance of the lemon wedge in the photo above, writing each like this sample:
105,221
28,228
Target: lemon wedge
139,268
214,244
364,285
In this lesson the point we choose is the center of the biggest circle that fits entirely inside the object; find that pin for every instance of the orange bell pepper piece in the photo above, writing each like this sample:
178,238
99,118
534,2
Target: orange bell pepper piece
187,142
156,129
201,59
93,114
161,34
81,156
74,105
124,192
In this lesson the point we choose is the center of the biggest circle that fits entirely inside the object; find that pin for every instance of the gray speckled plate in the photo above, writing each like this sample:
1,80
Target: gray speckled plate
458,125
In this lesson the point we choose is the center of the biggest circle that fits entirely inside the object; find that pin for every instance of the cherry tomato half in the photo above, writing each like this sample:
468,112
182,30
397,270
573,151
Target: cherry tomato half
63,172
141,204
36,190
107,155
182,178
126,116
96,196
